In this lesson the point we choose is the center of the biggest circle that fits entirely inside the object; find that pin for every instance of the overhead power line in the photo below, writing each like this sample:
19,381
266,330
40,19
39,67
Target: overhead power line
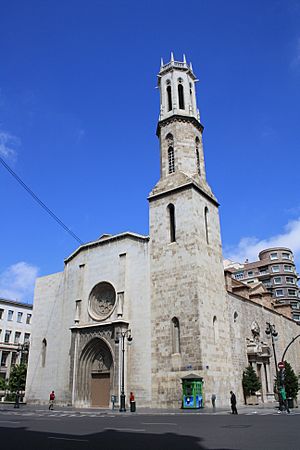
42,204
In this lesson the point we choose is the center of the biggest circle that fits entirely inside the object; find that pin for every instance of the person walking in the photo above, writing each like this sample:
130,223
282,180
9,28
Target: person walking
213,400
233,403
282,394
132,402
51,400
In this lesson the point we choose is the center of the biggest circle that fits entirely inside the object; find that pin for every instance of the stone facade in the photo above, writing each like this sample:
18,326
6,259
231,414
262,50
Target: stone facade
167,291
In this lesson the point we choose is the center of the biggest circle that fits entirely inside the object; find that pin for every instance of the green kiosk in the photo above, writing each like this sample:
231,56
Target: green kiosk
192,392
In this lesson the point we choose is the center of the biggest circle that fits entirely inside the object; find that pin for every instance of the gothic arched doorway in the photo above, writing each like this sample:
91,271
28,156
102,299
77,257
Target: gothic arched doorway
95,374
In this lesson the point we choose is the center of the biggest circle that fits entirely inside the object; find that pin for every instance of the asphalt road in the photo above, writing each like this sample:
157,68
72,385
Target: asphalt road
44,430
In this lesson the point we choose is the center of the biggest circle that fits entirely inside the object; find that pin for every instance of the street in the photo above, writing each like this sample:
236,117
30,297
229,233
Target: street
73,429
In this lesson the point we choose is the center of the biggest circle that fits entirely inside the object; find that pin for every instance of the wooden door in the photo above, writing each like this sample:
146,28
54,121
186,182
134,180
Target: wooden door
100,389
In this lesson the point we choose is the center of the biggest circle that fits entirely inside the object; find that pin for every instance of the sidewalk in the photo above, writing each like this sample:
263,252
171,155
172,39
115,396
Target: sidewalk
242,409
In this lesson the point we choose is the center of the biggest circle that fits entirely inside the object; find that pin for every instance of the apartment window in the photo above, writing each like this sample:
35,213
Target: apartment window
17,337
1,313
296,317
19,317
273,255
286,256
4,359
277,280
295,305
26,338
292,292
250,273
275,269
279,293
14,358
239,275
250,282
290,280
10,314
287,268
28,319
7,336
263,271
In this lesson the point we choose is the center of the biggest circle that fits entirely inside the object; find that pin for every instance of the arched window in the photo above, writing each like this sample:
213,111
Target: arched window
198,156
235,316
169,97
171,160
216,329
175,335
180,96
171,209
206,223
44,351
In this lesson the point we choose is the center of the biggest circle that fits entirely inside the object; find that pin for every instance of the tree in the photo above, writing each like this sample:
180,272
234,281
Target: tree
3,384
17,378
251,383
290,381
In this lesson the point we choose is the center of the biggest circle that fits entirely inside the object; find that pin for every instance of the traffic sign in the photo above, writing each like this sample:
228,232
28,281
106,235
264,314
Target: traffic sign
281,365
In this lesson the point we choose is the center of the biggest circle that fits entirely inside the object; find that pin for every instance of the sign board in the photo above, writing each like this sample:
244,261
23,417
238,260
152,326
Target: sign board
281,365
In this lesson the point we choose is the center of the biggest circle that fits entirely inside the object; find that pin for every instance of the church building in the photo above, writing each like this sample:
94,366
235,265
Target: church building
144,312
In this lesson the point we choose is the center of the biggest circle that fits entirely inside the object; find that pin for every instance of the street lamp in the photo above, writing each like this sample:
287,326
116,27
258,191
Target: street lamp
271,332
122,335
22,349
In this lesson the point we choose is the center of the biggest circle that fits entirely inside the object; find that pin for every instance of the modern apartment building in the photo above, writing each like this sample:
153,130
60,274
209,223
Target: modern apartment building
15,330
277,271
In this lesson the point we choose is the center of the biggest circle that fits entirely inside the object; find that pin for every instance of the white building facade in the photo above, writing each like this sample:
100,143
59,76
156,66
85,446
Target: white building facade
166,290
15,330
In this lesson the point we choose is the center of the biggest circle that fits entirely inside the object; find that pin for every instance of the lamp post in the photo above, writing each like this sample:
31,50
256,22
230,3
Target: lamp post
122,335
22,348
271,332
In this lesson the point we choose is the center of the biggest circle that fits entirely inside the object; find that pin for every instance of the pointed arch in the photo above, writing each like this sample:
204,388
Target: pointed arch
215,329
206,214
172,223
180,95
175,327
169,96
171,159
44,352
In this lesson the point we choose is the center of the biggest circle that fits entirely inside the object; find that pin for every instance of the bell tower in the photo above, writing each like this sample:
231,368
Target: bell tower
188,298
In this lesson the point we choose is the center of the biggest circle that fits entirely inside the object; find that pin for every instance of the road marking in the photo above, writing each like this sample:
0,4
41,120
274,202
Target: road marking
67,439
9,421
124,429
159,423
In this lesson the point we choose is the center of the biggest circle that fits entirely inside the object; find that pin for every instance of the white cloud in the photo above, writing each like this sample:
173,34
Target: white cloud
8,142
249,247
17,282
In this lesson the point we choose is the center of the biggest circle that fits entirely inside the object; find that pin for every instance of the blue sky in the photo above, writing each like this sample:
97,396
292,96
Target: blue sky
79,108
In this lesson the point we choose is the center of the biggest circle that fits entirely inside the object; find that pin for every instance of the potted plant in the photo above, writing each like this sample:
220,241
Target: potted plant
251,385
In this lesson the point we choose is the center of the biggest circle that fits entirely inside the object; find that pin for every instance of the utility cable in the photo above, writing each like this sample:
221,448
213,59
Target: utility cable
35,197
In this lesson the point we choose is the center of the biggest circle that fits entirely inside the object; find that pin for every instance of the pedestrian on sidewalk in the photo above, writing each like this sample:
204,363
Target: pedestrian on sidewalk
51,400
282,394
233,403
132,402
213,400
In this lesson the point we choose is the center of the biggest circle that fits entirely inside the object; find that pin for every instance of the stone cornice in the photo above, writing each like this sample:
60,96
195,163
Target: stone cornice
104,241
99,324
178,118
190,185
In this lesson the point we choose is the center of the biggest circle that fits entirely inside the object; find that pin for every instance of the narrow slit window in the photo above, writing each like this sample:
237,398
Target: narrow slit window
206,224
171,209
175,335
198,157
180,96
171,160
44,351
169,96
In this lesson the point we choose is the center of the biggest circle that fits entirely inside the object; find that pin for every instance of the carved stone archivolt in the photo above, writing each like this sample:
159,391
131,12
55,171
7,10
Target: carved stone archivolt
102,301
